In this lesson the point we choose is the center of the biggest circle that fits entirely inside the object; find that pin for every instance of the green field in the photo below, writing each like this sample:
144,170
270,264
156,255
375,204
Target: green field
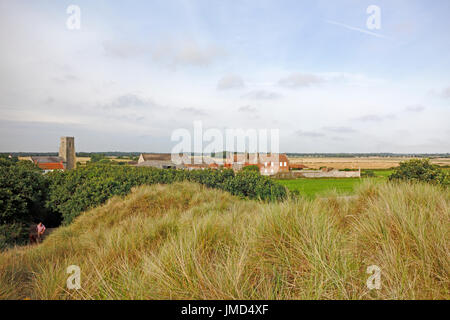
314,187
382,172
321,186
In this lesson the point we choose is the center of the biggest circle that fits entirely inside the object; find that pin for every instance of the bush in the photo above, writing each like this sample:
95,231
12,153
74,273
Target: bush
22,192
420,170
12,234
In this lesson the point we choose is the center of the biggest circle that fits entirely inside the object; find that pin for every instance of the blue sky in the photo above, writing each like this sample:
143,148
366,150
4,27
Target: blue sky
138,70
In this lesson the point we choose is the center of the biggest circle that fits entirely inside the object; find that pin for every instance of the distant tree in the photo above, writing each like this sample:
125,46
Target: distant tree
420,170
105,160
96,157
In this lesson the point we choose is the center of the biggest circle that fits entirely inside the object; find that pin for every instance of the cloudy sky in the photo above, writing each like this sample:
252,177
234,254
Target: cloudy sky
138,70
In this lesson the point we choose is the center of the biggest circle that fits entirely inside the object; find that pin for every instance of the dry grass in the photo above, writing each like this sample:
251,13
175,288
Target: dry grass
358,162
184,241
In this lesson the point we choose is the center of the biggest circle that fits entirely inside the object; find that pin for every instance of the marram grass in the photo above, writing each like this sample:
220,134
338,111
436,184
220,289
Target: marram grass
185,241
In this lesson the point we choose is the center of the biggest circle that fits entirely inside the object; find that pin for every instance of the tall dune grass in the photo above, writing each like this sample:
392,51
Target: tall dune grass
184,241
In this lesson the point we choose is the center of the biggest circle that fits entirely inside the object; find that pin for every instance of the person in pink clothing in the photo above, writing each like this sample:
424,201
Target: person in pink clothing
40,230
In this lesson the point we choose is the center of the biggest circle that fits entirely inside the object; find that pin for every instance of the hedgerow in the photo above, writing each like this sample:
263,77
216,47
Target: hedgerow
72,192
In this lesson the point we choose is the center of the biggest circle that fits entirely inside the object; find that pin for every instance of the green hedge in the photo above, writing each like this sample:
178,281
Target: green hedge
72,192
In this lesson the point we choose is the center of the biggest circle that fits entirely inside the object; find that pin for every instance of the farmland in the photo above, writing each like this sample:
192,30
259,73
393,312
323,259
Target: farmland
358,162
381,166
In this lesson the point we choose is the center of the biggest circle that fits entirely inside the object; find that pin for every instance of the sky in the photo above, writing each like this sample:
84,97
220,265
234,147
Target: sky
136,71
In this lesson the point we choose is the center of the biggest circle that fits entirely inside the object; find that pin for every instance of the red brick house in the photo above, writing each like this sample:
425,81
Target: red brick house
268,164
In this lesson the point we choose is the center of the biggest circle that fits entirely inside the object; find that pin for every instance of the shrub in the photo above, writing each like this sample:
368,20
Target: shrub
12,234
22,192
22,195
420,170
254,186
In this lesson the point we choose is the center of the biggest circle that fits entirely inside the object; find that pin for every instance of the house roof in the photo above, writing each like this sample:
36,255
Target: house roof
158,164
283,158
46,159
51,166
156,156
254,158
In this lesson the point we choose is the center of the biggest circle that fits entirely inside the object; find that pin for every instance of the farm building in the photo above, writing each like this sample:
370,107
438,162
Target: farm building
48,163
154,157
273,164
158,160
268,164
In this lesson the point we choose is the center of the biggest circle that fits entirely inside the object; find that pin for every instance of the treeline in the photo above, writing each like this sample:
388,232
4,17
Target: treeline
28,196
362,155
223,154
79,154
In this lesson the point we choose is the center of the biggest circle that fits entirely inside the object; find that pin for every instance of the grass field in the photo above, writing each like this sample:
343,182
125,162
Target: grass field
184,241
323,186
317,187
383,173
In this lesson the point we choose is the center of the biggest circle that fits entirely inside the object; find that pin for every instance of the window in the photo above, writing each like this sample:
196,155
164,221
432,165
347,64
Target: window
271,164
285,164
281,164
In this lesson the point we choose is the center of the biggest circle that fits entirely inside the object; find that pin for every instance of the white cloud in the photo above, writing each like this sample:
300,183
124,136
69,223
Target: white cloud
249,109
231,81
299,80
194,111
415,108
261,95
169,52
376,118
340,129
309,134
446,92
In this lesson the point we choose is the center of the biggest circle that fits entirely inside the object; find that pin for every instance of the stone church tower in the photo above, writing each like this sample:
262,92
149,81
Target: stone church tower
67,152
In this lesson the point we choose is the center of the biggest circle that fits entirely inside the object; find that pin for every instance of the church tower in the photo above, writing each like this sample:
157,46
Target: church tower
67,152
